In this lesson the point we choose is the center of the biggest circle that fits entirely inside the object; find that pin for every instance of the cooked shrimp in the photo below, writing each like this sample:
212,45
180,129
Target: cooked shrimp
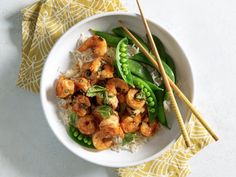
115,85
113,101
96,69
64,87
97,114
121,98
82,84
122,103
101,141
86,125
121,133
96,64
110,125
86,68
130,124
148,129
88,73
81,107
107,72
104,71
96,43
132,102
99,99
108,59
136,111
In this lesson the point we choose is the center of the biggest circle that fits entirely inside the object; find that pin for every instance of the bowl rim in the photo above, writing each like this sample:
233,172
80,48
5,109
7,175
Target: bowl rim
131,14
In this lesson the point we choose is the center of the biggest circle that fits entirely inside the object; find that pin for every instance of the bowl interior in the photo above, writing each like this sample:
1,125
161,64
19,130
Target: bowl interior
59,61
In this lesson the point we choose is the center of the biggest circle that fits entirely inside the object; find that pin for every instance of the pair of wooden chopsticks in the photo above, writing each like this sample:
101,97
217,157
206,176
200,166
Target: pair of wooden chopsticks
168,82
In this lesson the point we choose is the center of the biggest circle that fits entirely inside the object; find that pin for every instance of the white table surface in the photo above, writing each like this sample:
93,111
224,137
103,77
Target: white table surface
206,29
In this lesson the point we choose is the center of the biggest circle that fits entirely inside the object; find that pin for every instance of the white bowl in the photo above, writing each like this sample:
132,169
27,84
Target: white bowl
58,61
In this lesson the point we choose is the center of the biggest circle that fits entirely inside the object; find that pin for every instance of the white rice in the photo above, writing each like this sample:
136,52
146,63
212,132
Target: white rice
64,113
132,50
132,146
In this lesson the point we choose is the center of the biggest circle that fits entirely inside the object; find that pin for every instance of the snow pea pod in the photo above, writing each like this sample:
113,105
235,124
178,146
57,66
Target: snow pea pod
139,70
76,135
111,39
169,61
151,100
165,57
154,87
142,58
80,138
169,71
160,109
122,63
120,32
160,47
163,54
171,64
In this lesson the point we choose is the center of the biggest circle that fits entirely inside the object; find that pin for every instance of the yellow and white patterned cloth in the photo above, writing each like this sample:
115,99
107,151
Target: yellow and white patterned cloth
43,23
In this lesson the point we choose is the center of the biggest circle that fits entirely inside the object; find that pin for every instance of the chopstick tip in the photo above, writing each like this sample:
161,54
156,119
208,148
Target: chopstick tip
216,138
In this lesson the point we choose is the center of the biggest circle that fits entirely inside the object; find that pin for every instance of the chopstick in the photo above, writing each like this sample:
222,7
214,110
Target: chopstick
165,79
178,92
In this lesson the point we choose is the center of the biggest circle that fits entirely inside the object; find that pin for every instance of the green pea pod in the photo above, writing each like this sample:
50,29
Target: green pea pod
160,109
120,32
80,138
170,63
122,63
166,96
154,87
142,58
169,71
151,100
163,54
139,70
160,47
111,39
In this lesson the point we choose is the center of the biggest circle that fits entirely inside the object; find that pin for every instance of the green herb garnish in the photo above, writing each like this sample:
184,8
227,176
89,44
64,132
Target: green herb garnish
129,137
104,95
95,90
105,111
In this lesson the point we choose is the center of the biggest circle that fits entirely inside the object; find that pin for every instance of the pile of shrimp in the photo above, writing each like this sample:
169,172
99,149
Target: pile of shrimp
129,113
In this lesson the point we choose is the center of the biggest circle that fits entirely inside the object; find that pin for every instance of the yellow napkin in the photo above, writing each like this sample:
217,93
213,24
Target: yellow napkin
43,23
